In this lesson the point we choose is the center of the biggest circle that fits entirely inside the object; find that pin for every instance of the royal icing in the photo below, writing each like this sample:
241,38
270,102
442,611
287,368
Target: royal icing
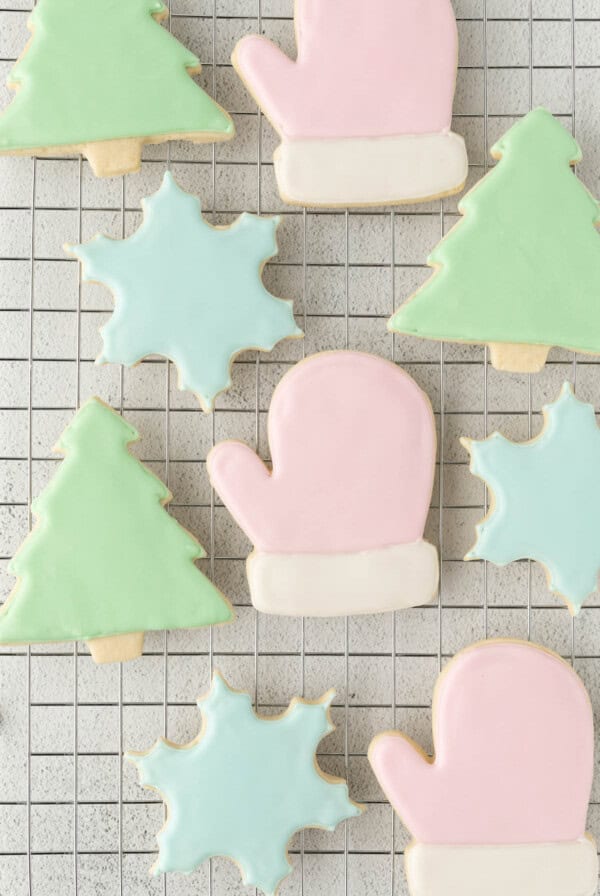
504,801
546,493
521,270
105,558
370,87
119,75
371,171
555,869
338,523
189,291
244,787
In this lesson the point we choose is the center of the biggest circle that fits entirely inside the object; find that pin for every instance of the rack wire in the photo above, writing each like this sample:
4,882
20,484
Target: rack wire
383,667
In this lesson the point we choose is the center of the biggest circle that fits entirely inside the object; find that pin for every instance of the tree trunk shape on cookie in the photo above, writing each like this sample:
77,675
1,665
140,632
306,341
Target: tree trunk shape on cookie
105,78
516,358
521,270
117,648
105,558
111,158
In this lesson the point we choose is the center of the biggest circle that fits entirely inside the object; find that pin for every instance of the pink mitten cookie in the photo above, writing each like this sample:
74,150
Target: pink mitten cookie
365,111
502,807
338,523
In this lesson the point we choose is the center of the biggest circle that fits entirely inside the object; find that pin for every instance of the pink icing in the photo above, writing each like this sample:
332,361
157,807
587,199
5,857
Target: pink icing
514,740
352,439
365,68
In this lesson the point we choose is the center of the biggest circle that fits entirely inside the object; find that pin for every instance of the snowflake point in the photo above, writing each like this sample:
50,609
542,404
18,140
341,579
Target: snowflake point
220,692
218,686
567,389
328,698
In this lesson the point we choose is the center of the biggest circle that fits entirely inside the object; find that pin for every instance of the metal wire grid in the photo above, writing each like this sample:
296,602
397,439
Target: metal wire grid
395,879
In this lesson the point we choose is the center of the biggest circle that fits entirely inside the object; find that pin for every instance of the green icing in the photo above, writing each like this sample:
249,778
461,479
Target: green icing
189,291
523,265
244,787
546,498
105,557
101,70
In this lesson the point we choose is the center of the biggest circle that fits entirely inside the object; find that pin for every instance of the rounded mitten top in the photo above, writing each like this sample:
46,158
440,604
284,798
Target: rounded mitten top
352,441
380,68
514,744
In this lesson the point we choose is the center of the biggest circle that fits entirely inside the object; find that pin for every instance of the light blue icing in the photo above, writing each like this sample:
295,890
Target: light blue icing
244,787
546,498
189,291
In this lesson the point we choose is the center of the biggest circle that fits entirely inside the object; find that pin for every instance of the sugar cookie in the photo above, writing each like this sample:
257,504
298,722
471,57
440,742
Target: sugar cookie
244,787
545,498
105,561
189,291
521,270
502,807
365,111
338,524
103,79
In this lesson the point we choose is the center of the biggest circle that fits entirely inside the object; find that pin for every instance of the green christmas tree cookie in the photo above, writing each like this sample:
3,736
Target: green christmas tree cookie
521,270
103,79
105,562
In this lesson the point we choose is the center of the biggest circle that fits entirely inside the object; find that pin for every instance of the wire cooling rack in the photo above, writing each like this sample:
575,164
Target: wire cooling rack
72,820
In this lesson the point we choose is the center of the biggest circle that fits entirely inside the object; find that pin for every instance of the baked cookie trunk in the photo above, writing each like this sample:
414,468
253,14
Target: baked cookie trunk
513,357
109,158
365,111
117,648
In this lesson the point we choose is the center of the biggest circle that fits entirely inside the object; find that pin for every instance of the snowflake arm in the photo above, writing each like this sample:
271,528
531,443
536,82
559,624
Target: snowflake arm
115,263
97,257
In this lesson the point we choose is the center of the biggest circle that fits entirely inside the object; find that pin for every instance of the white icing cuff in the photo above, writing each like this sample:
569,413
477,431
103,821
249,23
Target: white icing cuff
370,170
543,869
374,581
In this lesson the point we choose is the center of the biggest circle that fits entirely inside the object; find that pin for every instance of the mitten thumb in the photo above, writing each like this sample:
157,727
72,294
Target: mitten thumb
266,72
405,775
240,478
